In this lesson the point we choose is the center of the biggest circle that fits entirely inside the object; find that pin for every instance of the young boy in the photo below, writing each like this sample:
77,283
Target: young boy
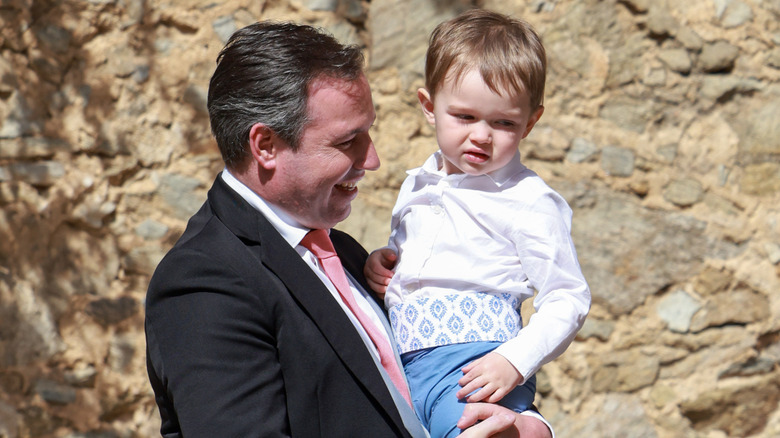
475,232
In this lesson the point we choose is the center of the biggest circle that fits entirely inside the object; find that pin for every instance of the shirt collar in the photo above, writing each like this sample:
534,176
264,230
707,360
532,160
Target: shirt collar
290,229
433,166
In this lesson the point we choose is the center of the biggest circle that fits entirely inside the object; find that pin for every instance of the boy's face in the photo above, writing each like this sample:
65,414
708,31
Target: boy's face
478,131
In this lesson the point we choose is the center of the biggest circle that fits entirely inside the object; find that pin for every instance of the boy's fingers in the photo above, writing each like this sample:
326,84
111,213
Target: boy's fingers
388,258
463,381
480,395
466,390
379,289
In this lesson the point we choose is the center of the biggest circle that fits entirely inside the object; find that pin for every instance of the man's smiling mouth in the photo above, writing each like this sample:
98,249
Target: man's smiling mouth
349,186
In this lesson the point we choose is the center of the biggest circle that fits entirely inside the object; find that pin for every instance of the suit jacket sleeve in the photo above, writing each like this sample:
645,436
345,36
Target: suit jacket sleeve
214,344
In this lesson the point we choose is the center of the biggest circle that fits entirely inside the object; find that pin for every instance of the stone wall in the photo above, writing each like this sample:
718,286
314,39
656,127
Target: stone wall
661,129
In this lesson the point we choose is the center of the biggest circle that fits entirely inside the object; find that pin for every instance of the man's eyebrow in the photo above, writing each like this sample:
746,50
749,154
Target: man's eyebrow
359,130
354,132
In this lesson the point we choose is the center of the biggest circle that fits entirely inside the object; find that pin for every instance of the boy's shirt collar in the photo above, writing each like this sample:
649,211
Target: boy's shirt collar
434,164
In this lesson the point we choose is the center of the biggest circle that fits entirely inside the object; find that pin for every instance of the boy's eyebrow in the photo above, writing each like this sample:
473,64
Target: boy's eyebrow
514,112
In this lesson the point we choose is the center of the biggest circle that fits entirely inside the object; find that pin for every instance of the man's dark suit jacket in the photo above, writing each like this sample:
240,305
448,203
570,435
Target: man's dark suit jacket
244,340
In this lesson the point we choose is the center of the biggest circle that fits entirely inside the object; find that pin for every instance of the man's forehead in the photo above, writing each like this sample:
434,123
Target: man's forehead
352,87
345,105
336,89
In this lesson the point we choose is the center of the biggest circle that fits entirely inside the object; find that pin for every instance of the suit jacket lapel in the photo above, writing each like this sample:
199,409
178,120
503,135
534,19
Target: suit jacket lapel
353,263
305,287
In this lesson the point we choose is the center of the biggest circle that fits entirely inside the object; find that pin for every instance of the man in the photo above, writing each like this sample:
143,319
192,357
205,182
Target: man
246,333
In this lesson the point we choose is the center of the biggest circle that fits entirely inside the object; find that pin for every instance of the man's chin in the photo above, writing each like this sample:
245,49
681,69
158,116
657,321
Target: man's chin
330,219
342,216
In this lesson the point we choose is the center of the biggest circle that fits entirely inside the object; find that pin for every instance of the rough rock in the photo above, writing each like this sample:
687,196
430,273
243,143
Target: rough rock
660,129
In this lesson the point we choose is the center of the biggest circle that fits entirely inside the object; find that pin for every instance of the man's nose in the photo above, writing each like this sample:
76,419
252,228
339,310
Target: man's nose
370,160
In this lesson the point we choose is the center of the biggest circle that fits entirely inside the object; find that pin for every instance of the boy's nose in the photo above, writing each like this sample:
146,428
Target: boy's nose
480,133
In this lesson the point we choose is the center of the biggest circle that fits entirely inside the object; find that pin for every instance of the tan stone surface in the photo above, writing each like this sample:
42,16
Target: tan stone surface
660,129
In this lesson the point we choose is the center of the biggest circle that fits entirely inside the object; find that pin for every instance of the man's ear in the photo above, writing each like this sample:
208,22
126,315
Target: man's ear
262,145
532,120
427,105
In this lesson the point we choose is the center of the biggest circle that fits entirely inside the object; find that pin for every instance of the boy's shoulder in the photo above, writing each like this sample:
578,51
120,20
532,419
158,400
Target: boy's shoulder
526,190
528,182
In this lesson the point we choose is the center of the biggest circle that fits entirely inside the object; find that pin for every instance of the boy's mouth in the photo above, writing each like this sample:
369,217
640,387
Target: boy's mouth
476,157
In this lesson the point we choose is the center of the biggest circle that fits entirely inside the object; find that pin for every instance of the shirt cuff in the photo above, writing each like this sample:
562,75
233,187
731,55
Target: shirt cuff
538,416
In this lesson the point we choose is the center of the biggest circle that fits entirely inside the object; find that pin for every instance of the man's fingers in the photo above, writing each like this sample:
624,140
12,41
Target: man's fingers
494,420
489,427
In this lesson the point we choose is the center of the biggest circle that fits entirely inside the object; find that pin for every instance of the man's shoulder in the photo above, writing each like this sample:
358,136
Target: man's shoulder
206,243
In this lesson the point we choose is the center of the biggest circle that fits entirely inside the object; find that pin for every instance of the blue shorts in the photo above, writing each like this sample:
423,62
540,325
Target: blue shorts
433,375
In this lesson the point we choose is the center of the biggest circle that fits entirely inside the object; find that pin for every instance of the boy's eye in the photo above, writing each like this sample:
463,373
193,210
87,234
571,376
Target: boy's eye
507,123
464,116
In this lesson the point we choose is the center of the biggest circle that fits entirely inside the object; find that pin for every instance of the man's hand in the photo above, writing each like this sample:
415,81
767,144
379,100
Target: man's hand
493,374
379,269
493,421
488,420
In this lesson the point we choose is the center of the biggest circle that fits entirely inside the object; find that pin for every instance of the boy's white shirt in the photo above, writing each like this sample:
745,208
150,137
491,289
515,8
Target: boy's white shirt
503,232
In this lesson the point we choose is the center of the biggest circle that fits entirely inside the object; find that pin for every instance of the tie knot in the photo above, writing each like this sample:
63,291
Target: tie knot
318,242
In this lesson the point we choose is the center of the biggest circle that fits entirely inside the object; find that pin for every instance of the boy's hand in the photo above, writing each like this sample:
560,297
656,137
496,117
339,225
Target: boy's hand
379,269
493,374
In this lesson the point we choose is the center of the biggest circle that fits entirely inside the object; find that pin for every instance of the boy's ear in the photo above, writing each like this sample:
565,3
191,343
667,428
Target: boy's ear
262,145
532,120
427,105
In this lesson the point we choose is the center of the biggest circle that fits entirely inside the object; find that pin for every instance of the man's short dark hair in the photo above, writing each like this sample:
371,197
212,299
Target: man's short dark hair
263,75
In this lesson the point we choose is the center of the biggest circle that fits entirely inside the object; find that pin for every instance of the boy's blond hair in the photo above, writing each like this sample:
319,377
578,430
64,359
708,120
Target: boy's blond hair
506,51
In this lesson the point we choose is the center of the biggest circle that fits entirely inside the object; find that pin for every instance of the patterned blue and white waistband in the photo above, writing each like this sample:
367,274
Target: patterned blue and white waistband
453,319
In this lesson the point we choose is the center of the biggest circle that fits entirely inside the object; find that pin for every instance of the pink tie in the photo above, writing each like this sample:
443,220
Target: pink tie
318,242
